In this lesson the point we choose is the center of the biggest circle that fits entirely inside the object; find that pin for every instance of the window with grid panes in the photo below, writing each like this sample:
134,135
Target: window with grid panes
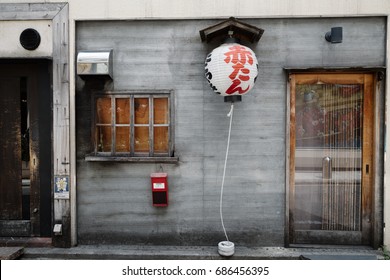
133,125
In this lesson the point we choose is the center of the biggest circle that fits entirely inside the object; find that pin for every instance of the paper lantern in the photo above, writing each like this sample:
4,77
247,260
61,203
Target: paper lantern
231,69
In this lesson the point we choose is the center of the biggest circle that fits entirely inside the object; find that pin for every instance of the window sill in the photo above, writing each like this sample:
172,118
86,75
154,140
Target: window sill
173,160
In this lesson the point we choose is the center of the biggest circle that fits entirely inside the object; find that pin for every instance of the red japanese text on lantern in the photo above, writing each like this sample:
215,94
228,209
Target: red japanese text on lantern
239,56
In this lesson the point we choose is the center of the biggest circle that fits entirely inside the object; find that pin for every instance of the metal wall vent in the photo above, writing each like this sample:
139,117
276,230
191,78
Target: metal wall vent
95,63
30,39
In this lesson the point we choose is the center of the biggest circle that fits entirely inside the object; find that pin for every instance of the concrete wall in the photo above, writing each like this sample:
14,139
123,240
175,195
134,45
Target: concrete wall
123,9
114,199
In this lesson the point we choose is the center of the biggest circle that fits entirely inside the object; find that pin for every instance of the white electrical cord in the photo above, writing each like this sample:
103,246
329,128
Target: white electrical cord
224,169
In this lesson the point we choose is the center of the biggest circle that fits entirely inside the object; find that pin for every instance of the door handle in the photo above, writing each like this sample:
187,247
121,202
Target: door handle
327,168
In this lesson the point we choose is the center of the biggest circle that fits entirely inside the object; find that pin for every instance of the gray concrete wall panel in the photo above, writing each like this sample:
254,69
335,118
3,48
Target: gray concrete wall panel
114,199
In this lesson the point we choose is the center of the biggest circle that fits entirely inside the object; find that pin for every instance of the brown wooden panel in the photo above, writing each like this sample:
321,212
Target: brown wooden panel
292,158
330,78
160,141
122,143
122,108
103,109
10,150
141,115
160,111
141,135
368,153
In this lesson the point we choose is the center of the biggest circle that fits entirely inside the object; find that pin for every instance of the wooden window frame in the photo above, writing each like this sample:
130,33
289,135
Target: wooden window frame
132,156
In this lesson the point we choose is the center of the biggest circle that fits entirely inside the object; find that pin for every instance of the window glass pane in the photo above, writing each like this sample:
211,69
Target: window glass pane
123,111
160,139
103,110
103,139
122,139
141,141
160,110
141,110
328,155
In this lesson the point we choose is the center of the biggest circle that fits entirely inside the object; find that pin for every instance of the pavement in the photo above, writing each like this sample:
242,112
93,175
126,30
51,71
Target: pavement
125,252
10,253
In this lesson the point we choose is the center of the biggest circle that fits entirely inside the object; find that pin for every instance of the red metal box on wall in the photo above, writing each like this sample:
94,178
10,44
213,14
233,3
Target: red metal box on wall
159,189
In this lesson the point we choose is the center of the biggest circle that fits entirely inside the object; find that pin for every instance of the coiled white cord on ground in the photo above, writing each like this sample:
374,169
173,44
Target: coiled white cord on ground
224,169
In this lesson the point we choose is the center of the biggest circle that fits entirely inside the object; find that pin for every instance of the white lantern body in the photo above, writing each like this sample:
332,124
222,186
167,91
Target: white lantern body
231,69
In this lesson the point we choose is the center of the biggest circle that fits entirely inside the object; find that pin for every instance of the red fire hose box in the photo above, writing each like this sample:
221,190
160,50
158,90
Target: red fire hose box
159,189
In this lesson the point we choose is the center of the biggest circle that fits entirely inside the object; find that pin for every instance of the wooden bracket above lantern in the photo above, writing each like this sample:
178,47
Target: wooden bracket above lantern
240,30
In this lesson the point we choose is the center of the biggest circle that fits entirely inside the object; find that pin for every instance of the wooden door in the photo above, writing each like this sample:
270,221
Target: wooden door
10,150
25,150
331,158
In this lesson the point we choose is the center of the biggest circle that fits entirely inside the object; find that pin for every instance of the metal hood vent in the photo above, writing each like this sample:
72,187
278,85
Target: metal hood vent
95,63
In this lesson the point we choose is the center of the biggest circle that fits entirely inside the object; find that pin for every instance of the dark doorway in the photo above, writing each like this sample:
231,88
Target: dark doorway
25,148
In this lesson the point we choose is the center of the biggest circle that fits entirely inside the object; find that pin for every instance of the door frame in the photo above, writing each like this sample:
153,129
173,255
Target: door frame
374,201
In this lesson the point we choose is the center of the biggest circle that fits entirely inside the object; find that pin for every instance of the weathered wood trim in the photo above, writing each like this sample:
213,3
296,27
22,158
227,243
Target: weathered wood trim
61,127
113,125
386,176
312,70
378,180
132,130
30,11
241,30
172,122
173,160
133,92
291,165
288,157
327,237
368,162
61,93
151,126
330,78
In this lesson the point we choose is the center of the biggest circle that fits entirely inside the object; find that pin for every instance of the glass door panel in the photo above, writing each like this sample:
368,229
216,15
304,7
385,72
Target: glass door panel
328,157
327,184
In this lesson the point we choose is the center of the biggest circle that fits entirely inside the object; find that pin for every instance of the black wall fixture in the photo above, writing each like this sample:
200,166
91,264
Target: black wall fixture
30,39
335,35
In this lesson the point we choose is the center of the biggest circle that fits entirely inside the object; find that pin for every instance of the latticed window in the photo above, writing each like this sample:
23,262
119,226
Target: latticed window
133,125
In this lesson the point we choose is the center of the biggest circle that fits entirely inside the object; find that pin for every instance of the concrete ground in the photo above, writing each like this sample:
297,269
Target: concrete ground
122,252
